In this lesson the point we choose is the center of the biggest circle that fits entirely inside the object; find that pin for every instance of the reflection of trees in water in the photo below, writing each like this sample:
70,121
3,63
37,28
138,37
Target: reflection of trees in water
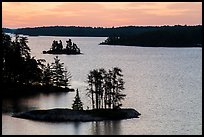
76,128
26,103
106,127
14,106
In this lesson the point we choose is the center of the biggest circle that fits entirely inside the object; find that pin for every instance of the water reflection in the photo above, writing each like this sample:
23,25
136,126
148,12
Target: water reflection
20,104
14,106
76,128
106,127
157,79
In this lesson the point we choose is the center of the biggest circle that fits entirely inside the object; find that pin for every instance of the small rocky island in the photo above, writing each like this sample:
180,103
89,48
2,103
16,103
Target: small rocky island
63,115
104,89
57,48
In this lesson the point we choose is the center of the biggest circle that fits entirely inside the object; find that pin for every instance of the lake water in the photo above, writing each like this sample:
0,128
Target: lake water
163,84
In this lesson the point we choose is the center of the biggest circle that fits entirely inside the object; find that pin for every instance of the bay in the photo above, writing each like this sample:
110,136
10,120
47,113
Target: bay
163,84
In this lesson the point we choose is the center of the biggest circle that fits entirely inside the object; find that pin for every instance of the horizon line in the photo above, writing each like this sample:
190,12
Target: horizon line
105,27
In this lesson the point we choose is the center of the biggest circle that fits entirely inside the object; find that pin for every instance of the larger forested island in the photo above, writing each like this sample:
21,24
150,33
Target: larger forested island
178,36
170,36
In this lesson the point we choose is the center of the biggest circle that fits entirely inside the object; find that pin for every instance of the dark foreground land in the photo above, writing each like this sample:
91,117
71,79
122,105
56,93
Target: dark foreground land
20,90
63,115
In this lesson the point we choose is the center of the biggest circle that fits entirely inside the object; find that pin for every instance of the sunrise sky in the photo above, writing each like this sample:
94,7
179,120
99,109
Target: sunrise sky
100,14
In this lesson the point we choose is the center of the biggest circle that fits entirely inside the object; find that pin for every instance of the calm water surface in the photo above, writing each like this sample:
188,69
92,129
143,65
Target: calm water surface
163,84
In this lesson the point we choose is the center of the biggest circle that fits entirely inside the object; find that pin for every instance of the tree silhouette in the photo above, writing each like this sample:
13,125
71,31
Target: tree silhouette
102,74
61,77
117,87
5,50
104,88
60,46
77,105
25,50
90,88
19,68
108,89
47,76
57,48
95,80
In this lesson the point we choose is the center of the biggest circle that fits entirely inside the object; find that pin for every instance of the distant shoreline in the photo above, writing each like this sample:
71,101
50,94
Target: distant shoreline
94,31
199,46
145,36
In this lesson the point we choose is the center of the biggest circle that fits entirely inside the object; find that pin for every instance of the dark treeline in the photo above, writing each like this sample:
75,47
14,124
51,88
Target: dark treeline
97,31
80,31
177,36
20,71
7,30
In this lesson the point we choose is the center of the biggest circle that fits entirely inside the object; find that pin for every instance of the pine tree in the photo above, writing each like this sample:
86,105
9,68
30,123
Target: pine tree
77,105
61,77
47,76
90,88
117,87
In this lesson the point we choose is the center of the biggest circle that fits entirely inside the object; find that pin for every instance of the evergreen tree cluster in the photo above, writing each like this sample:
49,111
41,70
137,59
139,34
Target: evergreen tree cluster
105,87
57,48
19,68
56,75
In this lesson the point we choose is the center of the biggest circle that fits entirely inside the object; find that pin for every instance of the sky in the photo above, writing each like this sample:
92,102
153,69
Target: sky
100,14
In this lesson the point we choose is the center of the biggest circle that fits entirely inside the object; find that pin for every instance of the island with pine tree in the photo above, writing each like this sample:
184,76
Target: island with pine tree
57,48
104,89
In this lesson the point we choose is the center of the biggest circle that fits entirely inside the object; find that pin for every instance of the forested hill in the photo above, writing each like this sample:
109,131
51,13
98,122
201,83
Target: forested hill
82,31
98,31
7,30
164,37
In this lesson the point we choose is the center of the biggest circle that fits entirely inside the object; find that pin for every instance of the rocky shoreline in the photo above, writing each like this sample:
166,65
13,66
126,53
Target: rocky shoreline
63,115
61,52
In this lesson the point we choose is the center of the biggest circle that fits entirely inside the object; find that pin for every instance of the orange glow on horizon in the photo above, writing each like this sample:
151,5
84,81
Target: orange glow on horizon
100,14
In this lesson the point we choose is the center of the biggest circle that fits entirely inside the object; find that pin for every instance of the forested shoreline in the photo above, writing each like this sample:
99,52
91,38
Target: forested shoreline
180,37
95,31
155,36
22,74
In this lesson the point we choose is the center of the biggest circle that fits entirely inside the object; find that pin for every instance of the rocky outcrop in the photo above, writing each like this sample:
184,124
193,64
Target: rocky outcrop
60,115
